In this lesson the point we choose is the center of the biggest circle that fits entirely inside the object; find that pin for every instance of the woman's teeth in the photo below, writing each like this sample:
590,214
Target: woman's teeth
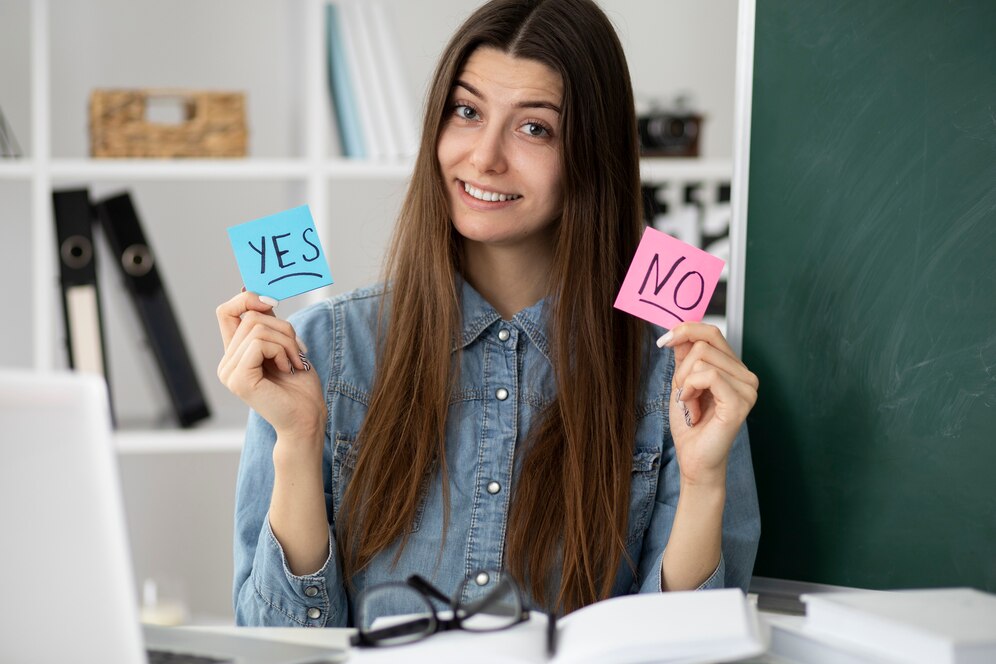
482,195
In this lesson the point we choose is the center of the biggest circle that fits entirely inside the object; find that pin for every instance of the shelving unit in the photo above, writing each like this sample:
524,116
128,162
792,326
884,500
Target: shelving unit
309,173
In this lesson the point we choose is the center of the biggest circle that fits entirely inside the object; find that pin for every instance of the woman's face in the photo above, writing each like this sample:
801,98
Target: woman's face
499,149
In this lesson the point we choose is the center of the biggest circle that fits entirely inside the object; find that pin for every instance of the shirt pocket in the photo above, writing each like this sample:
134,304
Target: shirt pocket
345,452
643,488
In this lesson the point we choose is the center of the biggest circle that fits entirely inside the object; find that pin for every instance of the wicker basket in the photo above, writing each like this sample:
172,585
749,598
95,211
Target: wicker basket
214,125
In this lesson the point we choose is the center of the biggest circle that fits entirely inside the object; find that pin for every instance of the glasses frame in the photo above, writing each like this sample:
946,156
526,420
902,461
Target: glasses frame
376,638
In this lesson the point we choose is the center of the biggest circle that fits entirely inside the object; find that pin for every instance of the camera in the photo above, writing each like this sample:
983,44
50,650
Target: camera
665,134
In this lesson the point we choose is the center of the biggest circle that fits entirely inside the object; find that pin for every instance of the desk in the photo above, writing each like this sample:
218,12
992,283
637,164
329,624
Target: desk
327,637
338,637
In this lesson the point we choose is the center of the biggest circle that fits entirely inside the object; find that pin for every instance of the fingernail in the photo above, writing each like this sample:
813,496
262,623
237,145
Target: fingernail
688,416
677,396
665,340
293,370
304,361
243,289
265,299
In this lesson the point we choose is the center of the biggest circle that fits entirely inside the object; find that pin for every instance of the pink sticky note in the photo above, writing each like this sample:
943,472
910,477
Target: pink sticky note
669,281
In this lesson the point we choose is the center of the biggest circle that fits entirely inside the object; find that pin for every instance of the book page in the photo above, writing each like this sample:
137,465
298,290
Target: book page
678,628
696,626
524,643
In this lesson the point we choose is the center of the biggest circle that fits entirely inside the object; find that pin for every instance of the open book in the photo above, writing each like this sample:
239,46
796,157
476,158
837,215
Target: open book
677,627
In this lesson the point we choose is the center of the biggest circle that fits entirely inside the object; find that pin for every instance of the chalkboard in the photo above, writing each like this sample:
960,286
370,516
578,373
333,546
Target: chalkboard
870,292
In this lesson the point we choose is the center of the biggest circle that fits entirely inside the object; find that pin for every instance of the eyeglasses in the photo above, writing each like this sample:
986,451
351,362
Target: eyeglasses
405,611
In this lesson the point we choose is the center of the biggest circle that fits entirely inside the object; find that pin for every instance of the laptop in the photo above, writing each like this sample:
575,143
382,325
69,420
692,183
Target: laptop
68,592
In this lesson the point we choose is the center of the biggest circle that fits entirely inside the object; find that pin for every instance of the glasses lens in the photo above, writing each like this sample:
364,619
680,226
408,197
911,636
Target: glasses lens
394,614
485,609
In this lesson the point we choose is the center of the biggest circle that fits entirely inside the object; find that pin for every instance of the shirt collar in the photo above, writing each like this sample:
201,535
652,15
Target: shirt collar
479,315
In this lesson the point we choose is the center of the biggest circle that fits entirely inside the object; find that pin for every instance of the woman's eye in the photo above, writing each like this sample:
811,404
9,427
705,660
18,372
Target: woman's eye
465,112
535,129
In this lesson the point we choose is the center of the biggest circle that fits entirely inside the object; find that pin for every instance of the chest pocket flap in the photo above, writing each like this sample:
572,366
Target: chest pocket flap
345,452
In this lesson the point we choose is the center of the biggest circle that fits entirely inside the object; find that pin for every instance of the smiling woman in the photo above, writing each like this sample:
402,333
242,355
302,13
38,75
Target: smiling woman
499,153
486,412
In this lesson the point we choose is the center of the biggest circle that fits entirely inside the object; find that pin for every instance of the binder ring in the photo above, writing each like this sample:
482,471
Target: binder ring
137,260
76,251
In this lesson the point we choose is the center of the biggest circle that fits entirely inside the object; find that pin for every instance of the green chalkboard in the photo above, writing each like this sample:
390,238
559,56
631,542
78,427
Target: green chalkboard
870,292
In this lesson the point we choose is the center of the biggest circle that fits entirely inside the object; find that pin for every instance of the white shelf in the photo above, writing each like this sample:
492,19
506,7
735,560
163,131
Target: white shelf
652,169
178,169
179,441
225,169
657,169
341,168
15,169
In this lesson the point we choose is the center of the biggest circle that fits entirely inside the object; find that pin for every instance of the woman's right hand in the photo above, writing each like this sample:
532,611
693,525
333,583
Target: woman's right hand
265,366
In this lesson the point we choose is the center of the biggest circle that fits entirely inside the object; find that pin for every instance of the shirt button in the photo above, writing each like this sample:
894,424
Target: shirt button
501,393
493,487
311,591
482,579
503,335
314,613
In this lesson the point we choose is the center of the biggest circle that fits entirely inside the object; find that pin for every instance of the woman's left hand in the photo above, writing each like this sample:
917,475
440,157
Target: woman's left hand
711,393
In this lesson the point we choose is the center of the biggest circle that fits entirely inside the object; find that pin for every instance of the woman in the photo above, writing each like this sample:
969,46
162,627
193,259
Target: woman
488,409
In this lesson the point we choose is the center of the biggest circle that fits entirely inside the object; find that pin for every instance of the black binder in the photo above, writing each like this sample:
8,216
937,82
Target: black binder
137,263
78,277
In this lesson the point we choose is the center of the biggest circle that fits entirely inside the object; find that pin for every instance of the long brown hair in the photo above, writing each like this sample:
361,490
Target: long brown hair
571,502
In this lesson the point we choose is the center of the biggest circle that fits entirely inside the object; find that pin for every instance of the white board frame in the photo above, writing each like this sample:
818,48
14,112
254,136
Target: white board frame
740,182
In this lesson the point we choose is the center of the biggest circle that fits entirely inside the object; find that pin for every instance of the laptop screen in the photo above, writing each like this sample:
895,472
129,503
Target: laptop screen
66,573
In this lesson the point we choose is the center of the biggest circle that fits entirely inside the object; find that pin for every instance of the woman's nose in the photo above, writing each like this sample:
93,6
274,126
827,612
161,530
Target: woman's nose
488,152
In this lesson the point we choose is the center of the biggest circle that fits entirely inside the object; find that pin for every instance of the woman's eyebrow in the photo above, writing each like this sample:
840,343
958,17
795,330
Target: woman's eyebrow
522,104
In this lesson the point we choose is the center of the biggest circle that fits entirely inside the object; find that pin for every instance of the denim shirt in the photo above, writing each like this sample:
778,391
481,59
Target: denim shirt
506,380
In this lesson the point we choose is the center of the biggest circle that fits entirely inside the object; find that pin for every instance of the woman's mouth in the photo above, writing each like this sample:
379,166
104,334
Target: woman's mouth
486,195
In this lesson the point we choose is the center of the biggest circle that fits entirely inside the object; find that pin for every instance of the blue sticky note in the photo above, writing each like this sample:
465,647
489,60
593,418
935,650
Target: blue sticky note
280,256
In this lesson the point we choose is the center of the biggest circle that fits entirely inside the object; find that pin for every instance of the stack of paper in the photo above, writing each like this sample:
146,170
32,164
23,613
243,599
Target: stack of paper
939,626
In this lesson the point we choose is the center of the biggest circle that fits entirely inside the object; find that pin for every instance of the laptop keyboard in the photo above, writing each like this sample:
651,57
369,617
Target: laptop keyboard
169,657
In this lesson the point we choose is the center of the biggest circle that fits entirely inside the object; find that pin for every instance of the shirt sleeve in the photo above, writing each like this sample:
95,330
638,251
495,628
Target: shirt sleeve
265,592
741,521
